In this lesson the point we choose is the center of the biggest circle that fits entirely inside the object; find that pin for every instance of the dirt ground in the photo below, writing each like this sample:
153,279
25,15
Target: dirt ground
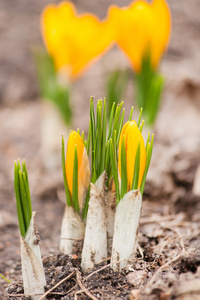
168,265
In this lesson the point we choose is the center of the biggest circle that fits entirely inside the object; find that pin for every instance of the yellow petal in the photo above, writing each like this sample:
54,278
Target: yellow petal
142,27
73,40
162,30
133,137
83,167
74,139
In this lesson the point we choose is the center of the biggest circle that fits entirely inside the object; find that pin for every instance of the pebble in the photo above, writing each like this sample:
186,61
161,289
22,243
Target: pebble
136,278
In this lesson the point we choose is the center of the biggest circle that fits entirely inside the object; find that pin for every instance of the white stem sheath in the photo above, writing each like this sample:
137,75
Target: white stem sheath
72,231
125,230
95,241
32,267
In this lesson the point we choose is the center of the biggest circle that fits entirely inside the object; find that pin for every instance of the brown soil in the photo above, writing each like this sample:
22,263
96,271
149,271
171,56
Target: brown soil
168,263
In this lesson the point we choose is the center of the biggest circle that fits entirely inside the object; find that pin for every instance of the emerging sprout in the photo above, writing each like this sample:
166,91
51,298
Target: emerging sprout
32,268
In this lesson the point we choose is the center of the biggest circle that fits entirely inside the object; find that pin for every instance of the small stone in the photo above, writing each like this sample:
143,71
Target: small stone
134,295
137,278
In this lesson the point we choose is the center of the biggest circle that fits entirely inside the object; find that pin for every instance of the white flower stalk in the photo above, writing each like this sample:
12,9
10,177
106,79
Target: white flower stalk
32,267
125,230
95,241
72,231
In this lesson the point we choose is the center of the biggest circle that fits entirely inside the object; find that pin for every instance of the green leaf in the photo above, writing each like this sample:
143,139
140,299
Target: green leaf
103,158
107,160
67,192
28,198
114,169
149,149
149,86
50,86
18,200
116,86
5,278
136,169
120,126
111,120
140,115
131,114
141,126
23,198
117,116
92,123
88,139
75,181
124,181
85,208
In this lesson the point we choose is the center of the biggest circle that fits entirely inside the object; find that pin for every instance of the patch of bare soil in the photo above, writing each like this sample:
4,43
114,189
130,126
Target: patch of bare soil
167,265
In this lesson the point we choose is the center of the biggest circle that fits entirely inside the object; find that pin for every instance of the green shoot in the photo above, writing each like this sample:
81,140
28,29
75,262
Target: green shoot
68,197
116,86
50,86
100,154
5,278
131,114
149,149
124,180
114,169
23,198
136,169
149,87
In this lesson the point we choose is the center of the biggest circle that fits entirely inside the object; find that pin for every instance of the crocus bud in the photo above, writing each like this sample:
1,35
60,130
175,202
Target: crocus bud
75,141
132,137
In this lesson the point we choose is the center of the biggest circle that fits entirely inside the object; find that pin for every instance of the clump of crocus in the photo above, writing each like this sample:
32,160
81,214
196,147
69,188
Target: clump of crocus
96,205
133,163
32,268
142,32
76,174
101,205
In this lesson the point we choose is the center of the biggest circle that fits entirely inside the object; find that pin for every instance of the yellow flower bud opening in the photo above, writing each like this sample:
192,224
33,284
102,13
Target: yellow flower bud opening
132,137
142,28
73,40
83,167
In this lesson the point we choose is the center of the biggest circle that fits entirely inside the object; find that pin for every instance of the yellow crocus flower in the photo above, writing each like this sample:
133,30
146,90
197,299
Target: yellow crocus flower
141,28
73,40
132,137
83,167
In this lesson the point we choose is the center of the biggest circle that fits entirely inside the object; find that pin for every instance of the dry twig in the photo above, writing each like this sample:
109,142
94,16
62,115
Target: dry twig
59,283
83,287
95,272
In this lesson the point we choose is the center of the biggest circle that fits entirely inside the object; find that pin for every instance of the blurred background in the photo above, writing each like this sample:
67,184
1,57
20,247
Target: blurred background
177,129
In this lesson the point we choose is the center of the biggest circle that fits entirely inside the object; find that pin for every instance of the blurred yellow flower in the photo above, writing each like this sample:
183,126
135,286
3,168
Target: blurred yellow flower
141,28
83,167
73,40
132,137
